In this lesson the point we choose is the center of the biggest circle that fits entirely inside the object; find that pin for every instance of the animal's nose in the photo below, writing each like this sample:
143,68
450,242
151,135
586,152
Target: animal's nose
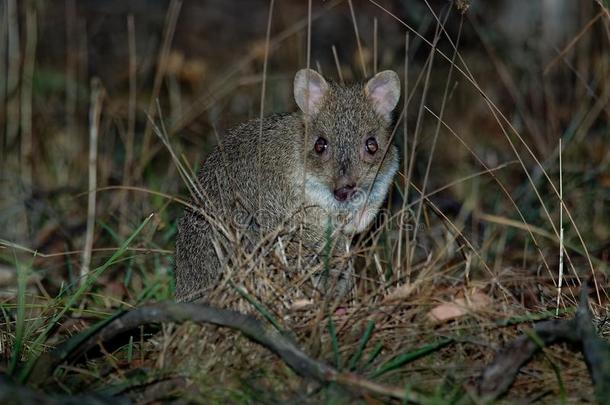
345,193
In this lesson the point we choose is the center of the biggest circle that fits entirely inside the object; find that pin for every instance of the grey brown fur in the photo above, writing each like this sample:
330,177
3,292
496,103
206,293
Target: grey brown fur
291,177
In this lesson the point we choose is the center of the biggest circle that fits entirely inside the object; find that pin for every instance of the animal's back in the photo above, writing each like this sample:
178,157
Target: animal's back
229,181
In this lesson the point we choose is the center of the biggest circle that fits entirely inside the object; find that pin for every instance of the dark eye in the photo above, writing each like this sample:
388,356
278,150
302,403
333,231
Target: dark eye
371,145
320,145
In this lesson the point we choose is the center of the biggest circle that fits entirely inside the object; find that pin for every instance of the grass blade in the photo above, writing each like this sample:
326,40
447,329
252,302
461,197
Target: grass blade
368,333
20,327
376,351
84,287
406,358
259,307
335,342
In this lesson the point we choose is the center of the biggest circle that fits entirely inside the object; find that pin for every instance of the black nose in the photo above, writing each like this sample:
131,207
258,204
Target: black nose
345,193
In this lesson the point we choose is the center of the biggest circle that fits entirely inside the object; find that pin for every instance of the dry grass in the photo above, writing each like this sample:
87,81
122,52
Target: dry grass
471,232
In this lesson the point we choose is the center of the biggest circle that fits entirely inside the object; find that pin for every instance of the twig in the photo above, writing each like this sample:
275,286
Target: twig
262,106
3,74
29,61
12,71
72,61
338,64
131,123
355,24
572,43
560,280
156,391
11,393
404,230
95,111
375,46
168,35
498,377
6,243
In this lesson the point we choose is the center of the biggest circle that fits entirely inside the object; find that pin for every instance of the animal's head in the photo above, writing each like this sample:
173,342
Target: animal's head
350,159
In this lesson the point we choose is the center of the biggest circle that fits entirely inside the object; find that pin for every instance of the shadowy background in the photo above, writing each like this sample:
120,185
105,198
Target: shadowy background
545,65
208,78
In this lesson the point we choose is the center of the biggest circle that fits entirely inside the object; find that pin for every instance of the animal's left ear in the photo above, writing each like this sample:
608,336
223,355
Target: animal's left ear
383,90
310,89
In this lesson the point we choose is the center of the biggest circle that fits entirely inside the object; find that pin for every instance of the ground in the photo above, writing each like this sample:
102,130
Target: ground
494,137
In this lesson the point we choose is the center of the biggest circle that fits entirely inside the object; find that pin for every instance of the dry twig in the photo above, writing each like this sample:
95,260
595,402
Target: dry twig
498,377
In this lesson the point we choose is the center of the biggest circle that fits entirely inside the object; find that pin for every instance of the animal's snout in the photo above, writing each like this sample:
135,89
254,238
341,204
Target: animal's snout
345,193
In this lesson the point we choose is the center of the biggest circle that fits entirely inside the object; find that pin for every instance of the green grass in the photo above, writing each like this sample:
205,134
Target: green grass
70,302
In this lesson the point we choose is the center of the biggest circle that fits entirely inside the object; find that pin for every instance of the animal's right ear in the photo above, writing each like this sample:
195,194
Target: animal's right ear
309,90
383,89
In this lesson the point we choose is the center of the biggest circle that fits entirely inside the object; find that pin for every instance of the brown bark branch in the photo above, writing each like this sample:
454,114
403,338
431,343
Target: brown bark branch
251,327
498,377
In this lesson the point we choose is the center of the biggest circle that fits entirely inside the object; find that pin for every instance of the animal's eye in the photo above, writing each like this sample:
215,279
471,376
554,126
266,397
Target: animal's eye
320,145
371,145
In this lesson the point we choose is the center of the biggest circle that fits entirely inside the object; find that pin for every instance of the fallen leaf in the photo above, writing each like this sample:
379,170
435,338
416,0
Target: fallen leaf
447,311
301,304
8,276
401,292
460,306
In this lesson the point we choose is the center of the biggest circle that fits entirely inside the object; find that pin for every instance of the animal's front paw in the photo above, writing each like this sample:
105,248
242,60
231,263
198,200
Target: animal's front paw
335,282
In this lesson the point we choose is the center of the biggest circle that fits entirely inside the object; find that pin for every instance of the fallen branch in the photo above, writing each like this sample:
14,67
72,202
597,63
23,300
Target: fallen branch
11,393
498,377
495,380
251,327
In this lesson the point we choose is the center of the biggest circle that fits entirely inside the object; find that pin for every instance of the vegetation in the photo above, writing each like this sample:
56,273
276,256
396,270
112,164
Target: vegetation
497,219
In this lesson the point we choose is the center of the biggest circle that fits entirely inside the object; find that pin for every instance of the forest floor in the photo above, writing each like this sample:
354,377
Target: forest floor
97,136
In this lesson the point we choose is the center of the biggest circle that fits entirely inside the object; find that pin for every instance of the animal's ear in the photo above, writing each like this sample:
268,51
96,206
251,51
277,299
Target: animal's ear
309,90
383,90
